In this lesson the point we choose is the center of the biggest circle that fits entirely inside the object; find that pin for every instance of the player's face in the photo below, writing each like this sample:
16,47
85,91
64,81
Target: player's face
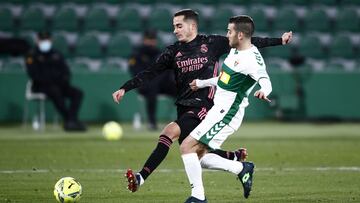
232,35
184,30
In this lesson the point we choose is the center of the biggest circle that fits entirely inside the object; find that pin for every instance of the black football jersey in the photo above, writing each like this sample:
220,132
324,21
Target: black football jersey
198,59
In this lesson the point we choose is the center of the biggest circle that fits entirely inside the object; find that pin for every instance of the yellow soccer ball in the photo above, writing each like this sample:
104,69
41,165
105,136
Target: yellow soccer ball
112,131
67,190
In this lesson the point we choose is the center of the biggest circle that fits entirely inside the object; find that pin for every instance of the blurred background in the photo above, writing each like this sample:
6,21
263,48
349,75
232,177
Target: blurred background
315,78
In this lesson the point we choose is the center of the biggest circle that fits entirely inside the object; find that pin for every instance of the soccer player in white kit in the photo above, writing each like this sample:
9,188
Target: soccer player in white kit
242,69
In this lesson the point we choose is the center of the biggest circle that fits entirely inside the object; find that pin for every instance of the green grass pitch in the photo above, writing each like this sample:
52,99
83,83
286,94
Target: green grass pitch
294,163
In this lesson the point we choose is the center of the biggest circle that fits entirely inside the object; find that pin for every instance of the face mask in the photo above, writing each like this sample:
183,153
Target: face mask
45,45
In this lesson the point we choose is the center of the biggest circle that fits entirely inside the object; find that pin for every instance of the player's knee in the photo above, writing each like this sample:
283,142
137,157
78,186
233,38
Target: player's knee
184,147
172,131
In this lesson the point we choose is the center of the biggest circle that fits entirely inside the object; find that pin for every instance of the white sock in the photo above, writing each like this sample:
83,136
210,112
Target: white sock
214,161
141,179
194,173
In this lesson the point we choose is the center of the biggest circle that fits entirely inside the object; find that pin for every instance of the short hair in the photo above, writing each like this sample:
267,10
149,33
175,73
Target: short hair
188,14
43,35
244,24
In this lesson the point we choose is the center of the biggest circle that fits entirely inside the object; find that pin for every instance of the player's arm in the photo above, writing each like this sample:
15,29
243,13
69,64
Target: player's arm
197,84
162,63
260,42
265,89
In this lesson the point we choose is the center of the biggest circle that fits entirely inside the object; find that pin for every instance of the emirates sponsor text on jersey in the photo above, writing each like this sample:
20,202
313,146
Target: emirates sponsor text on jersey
191,64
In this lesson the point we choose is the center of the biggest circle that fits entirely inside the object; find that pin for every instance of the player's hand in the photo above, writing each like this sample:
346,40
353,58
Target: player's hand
261,95
193,85
118,95
286,37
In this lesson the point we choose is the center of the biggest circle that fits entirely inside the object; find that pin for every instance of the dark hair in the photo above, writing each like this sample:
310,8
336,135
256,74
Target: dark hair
150,34
244,24
188,14
44,35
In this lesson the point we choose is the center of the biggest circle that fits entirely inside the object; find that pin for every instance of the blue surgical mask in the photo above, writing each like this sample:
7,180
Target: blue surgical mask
45,45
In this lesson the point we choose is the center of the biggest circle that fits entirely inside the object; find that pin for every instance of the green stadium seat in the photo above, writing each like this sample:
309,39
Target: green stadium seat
60,43
78,66
160,19
260,19
326,2
283,52
88,46
128,19
348,20
296,2
285,19
108,65
236,2
266,2
335,65
6,20
311,47
220,19
316,20
33,19
205,2
13,66
341,47
65,19
350,2
176,2
119,46
97,19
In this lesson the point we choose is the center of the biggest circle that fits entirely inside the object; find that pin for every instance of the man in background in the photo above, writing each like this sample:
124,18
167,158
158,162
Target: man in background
51,75
142,57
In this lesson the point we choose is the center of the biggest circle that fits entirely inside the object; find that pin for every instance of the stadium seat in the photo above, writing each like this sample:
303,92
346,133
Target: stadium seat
260,19
97,19
335,66
341,47
13,66
6,20
266,2
128,19
119,46
311,47
296,2
88,46
60,43
108,65
283,52
350,2
285,19
326,2
160,19
348,20
316,20
65,19
78,66
220,19
33,19
176,2
236,2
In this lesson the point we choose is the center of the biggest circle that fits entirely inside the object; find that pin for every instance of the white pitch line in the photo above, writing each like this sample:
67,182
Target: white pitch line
340,168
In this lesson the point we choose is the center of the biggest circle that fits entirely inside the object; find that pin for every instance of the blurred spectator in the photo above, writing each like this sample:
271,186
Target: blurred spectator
141,57
50,75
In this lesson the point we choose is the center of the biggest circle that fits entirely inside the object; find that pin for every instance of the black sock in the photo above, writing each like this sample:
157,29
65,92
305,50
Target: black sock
157,156
224,154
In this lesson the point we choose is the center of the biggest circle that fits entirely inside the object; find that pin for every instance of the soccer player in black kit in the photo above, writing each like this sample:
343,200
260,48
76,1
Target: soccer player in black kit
193,56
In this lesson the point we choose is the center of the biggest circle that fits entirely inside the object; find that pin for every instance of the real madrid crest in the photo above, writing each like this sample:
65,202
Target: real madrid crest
203,48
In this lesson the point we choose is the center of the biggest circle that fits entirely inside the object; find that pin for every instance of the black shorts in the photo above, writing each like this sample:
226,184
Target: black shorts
188,118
